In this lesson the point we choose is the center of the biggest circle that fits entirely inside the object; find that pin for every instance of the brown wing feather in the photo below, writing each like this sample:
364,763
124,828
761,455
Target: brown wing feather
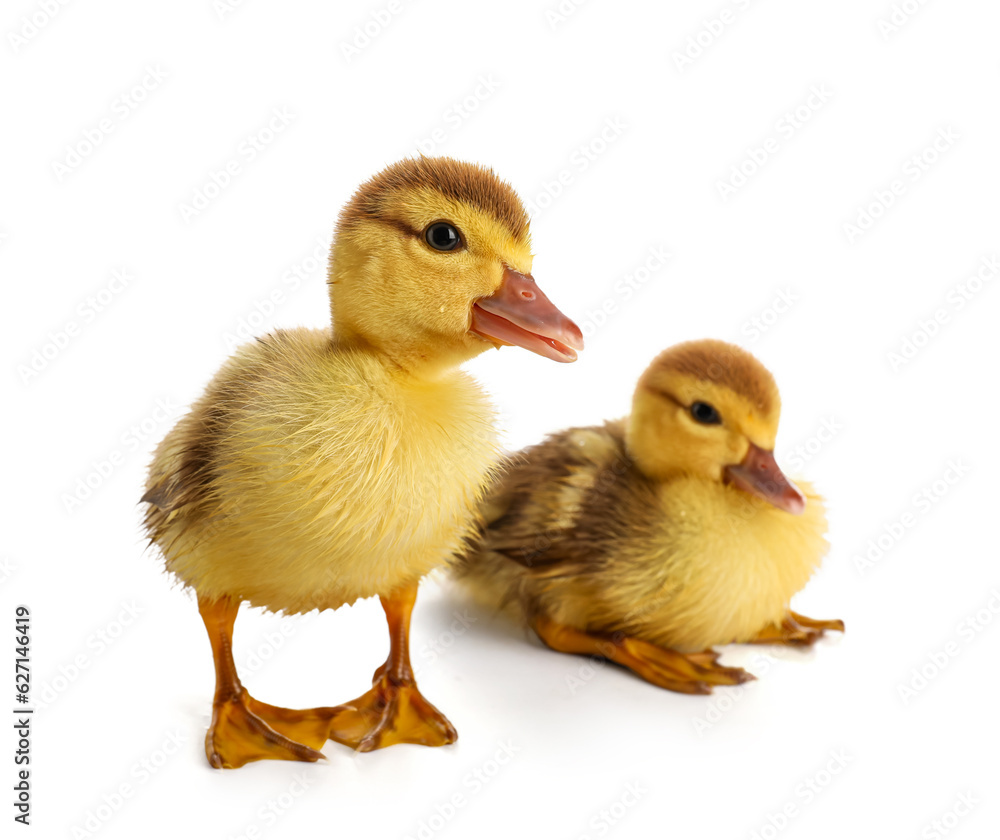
563,500
181,477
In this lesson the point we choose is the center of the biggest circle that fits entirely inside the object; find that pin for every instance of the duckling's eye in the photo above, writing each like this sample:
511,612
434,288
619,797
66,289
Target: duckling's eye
705,413
442,236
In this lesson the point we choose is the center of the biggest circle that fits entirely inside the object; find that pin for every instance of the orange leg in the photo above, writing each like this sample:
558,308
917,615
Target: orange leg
393,711
796,631
694,673
244,729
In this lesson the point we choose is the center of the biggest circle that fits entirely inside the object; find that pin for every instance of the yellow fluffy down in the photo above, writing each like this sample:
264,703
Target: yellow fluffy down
721,566
328,476
717,567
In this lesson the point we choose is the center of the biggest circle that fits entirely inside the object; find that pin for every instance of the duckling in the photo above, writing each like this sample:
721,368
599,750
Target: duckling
648,540
324,466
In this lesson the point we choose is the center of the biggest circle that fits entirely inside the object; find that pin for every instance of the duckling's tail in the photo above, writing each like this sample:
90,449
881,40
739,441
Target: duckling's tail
518,560
490,579
487,572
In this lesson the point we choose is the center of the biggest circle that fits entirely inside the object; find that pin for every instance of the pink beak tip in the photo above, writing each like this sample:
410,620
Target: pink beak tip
795,503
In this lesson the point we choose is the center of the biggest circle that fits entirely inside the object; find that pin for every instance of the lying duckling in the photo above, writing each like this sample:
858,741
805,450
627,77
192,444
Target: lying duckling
324,466
650,539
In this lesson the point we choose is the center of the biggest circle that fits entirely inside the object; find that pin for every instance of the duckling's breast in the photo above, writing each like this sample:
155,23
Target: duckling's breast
336,481
722,564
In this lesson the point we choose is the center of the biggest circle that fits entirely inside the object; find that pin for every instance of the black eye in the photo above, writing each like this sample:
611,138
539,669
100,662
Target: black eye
442,236
704,413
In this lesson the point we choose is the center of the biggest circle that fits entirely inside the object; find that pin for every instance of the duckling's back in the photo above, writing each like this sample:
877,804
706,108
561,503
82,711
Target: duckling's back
309,475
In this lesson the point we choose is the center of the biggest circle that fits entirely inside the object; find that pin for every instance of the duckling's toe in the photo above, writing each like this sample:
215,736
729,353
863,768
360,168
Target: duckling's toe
707,662
670,668
818,623
392,712
245,730
796,631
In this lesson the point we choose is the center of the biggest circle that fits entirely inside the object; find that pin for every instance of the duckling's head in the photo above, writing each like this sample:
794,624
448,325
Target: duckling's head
710,409
431,264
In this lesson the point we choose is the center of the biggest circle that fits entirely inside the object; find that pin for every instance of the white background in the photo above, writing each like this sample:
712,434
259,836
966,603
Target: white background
112,695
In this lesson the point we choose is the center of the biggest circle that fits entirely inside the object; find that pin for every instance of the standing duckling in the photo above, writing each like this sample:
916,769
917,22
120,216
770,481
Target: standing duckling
324,466
650,539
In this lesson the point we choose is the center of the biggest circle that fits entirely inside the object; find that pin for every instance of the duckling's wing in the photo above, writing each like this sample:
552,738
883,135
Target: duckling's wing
533,516
496,506
180,481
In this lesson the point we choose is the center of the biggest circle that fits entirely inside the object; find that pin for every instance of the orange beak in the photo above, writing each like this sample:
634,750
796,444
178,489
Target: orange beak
519,314
760,475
